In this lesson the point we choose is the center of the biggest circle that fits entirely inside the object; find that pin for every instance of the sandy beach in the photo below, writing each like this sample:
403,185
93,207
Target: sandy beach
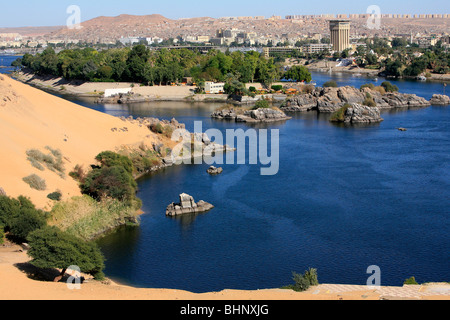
97,89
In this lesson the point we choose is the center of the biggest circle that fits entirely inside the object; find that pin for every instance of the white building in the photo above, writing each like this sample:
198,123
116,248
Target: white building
115,92
214,88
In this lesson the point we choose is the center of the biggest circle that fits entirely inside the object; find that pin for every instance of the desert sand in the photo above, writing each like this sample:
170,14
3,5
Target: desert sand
33,119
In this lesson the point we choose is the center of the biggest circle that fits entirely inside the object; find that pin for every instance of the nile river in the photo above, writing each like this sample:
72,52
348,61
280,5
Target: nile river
345,198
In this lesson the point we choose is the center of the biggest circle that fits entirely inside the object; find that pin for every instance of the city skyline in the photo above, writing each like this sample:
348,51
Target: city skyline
54,13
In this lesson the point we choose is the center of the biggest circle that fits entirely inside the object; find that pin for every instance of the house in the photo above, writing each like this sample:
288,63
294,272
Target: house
214,88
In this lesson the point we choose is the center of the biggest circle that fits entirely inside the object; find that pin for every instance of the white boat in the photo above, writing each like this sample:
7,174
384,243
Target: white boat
421,78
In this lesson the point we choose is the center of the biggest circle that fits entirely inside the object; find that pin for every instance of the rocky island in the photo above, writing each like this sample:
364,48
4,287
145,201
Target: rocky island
187,205
212,171
329,100
251,116
440,99
356,113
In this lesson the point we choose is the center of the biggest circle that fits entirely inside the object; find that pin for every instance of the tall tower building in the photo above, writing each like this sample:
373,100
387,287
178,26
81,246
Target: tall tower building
340,34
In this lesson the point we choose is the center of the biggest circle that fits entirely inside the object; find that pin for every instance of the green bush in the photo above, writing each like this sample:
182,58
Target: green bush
56,196
157,128
262,104
368,85
389,87
52,161
113,182
35,182
78,173
303,282
277,87
410,281
339,116
53,248
252,89
112,159
311,276
114,179
330,84
369,101
145,161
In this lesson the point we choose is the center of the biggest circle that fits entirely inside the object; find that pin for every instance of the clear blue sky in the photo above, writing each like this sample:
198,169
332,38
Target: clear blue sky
19,13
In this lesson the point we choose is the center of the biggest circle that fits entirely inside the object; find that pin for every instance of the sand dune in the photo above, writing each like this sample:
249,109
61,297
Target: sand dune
33,119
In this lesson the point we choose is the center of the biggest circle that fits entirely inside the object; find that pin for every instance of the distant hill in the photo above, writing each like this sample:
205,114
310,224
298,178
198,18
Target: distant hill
125,19
112,26
111,29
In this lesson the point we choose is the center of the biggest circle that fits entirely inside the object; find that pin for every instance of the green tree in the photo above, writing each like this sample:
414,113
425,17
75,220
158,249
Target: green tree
298,73
114,179
234,86
393,68
9,209
371,59
137,59
399,42
26,222
53,248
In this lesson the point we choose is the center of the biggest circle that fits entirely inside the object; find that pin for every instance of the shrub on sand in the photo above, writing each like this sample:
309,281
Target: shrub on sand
35,182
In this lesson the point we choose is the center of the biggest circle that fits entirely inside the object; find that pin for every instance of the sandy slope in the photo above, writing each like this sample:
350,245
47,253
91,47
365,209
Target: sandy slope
33,119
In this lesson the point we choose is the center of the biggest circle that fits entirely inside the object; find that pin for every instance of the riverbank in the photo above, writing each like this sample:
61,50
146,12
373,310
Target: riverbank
138,93
17,284
331,67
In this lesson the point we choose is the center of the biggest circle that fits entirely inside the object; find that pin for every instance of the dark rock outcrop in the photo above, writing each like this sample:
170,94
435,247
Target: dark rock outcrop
187,205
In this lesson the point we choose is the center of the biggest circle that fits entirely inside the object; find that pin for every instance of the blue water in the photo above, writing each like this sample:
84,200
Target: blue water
5,63
345,198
